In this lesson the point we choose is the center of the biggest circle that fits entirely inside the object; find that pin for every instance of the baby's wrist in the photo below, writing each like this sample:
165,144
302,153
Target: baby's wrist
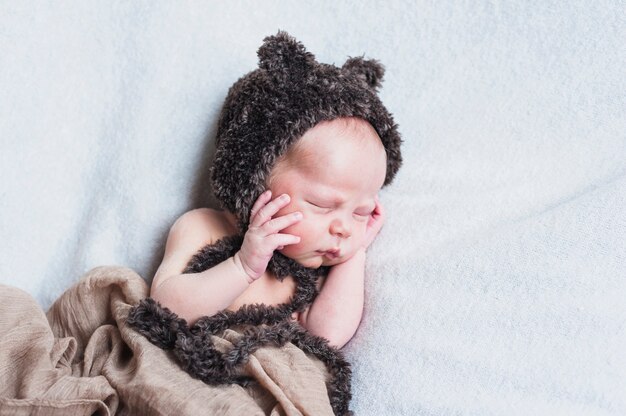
242,268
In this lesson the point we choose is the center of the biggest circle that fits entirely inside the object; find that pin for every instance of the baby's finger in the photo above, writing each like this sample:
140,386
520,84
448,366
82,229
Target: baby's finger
379,209
261,200
266,212
276,224
277,240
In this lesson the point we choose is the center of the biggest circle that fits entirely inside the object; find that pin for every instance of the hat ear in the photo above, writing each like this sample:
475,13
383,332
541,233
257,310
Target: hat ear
369,70
283,54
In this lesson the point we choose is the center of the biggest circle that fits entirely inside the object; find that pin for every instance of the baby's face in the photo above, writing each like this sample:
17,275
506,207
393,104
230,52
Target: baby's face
334,186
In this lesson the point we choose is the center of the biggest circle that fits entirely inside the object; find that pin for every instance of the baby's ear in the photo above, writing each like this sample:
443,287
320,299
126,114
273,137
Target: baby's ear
369,70
282,54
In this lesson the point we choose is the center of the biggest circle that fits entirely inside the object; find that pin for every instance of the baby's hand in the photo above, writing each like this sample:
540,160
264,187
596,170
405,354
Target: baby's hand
262,236
374,224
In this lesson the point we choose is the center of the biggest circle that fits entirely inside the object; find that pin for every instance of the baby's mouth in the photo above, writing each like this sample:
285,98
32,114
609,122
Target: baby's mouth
330,254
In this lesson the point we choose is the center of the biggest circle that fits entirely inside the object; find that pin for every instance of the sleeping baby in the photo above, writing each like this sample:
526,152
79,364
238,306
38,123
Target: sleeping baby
302,150
320,209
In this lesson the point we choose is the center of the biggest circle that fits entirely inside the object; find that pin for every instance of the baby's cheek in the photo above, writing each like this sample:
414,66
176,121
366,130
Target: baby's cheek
292,229
304,229
360,234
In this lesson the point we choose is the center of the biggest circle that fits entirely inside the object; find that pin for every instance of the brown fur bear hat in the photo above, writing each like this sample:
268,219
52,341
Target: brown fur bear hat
269,108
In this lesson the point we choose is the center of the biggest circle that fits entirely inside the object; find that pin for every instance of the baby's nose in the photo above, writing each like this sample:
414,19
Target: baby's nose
340,229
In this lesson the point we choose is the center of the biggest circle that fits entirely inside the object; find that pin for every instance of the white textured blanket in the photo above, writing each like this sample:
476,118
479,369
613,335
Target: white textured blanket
497,285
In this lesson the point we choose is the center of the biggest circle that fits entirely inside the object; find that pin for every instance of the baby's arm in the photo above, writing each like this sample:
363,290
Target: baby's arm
194,295
336,312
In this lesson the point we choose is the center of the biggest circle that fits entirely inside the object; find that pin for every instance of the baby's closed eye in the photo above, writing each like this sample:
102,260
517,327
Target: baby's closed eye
319,206
362,214
362,217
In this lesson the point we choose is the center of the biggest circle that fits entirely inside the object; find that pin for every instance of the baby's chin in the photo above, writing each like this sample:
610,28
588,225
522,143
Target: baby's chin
311,261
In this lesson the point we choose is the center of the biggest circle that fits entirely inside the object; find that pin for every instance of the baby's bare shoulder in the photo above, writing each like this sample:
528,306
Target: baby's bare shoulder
197,228
198,218
190,232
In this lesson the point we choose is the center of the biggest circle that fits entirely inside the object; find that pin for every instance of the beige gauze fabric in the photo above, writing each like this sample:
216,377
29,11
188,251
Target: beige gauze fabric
81,359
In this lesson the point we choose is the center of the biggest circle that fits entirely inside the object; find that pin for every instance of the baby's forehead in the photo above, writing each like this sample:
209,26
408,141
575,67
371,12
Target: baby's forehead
336,150
341,134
